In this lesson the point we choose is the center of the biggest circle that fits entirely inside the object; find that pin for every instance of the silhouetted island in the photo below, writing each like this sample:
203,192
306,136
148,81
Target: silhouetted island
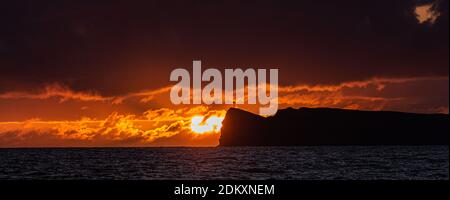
327,126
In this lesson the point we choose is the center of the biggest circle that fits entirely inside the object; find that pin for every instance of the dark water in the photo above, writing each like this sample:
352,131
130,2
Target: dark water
351,162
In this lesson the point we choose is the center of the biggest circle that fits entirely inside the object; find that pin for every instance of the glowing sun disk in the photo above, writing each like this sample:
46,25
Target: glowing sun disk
200,125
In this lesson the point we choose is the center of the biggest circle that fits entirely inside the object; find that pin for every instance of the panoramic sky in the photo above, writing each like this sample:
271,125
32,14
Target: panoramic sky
96,73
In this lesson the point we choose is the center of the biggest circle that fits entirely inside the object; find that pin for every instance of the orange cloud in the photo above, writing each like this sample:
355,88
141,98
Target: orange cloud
58,91
145,96
379,83
366,95
426,13
168,125
115,130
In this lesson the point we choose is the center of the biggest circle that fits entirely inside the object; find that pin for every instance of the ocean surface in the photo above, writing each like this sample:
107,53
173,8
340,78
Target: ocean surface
281,163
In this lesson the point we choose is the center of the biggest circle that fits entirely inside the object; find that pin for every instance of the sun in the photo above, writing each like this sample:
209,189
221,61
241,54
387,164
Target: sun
211,125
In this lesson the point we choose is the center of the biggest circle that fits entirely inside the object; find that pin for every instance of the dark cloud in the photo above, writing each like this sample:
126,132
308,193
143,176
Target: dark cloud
67,59
116,47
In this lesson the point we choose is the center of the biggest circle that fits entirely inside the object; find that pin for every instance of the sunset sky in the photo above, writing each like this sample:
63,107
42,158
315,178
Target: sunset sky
96,73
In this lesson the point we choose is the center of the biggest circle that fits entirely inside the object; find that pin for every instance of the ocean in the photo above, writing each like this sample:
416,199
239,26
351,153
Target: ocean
254,163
